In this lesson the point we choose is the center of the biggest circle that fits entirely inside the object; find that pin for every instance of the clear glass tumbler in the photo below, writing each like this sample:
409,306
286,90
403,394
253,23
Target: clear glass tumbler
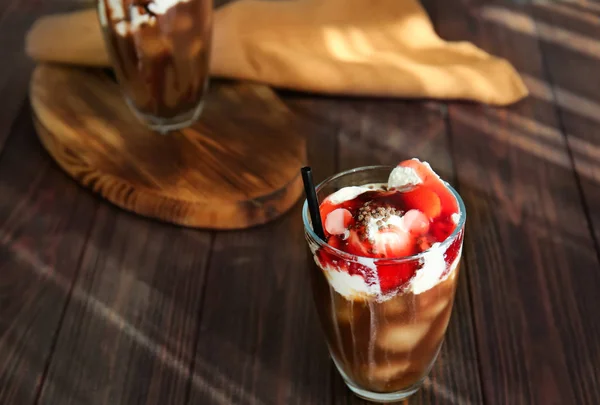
383,349
160,51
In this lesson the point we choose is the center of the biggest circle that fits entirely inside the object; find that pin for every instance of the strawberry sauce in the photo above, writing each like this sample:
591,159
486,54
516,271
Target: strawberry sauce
388,223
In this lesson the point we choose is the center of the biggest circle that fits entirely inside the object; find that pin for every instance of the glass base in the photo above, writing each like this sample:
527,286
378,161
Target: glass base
379,397
384,398
166,125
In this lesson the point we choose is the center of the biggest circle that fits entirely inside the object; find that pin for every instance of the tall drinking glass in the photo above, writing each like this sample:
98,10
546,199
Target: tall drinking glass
160,51
382,347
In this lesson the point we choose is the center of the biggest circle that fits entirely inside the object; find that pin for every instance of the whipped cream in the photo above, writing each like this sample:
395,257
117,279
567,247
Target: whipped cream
455,218
347,193
403,178
430,273
137,16
357,287
117,9
393,220
162,6
352,287
399,178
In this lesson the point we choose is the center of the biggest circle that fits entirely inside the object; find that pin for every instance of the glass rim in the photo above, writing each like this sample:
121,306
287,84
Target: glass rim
444,244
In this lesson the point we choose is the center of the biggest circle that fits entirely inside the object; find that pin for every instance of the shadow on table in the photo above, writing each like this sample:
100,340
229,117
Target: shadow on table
562,40
555,46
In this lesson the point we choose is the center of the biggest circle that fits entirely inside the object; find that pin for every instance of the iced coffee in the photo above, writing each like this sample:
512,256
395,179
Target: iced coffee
384,278
160,52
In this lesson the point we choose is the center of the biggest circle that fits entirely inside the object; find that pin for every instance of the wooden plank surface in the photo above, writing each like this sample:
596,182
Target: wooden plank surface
44,223
533,263
146,313
129,331
568,36
259,340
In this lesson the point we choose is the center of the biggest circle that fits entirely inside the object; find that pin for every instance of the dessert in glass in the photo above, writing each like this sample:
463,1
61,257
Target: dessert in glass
384,274
160,51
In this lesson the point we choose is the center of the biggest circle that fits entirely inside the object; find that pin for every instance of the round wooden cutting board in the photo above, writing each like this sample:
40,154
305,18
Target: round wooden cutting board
237,167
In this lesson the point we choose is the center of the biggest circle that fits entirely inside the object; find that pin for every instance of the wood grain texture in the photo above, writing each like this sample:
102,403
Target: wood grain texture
143,327
568,36
260,341
129,330
533,266
237,167
44,223
387,132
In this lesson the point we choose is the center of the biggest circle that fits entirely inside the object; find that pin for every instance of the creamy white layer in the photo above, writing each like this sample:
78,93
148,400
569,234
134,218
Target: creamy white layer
137,17
356,287
403,178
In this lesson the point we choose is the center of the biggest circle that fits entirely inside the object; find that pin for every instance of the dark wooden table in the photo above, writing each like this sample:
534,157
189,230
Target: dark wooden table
98,306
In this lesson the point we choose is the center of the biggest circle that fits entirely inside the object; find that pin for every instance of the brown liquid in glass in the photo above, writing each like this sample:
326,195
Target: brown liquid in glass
384,346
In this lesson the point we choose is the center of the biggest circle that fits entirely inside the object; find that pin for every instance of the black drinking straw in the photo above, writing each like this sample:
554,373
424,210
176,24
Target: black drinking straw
313,203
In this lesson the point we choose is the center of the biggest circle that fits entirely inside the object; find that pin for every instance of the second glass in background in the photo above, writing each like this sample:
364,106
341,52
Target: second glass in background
160,51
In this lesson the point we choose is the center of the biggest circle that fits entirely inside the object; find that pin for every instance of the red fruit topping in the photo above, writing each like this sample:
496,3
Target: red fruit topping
394,275
367,226
416,222
431,180
325,255
423,170
337,221
336,243
325,208
423,243
448,201
392,243
441,228
424,200
356,246
452,252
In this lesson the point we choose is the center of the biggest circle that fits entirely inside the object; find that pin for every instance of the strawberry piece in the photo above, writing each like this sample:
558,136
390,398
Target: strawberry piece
416,222
441,228
452,252
357,247
337,221
325,209
335,242
393,243
423,243
447,200
326,255
424,171
388,243
432,181
392,276
424,200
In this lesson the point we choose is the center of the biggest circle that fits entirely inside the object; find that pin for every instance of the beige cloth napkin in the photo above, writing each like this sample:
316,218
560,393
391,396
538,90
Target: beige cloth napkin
353,47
